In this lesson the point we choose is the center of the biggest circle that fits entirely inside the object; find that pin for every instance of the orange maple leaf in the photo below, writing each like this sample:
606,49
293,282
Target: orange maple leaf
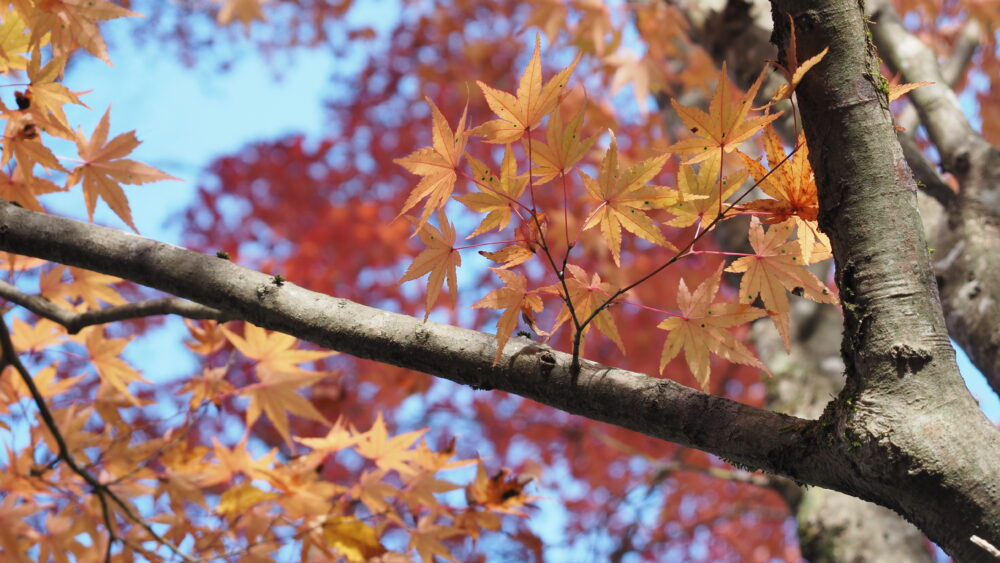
426,539
389,453
73,23
496,196
776,266
273,351
105,353
512,299
622,196
700,329
586,296
35,336
509,256
563,148
16,187
725,126
230,463
280,377
502,492
523,112
439,259
793,187
702,192
897,90
45,98
336,439
437,164
104,170
276,395
208,336
21,142
246,11
794,72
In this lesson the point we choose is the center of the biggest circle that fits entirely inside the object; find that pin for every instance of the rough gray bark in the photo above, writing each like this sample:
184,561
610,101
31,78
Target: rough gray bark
904,398
832,527
967,237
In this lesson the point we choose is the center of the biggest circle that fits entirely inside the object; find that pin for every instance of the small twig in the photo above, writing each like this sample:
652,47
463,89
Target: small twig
986,545
102,491
686,251
75,322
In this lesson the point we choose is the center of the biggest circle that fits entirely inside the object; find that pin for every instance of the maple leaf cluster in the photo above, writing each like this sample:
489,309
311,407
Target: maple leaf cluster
97,451
621,198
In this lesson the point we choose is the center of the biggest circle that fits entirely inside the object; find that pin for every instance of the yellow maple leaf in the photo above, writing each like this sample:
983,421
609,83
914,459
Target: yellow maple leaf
563,148
622,196
523,112
703,189
352,538
725,126
437,164
586,296
45,97
14,36
73,23
240,498
777,266
700,329
512,299
439,259
496,197
104,170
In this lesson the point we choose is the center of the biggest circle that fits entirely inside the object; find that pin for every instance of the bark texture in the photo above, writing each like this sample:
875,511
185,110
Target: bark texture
967,237
833,527
904,401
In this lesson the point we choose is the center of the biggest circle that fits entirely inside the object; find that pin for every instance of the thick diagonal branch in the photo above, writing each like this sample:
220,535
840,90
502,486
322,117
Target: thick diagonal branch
655,407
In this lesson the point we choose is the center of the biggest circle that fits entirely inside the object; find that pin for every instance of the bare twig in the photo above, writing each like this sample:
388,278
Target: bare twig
986,545
75,322
103,492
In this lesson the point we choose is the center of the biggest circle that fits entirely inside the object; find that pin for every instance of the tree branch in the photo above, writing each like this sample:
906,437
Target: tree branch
75,322
656,407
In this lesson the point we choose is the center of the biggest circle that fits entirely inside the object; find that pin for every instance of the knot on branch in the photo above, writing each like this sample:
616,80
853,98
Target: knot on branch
908,359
